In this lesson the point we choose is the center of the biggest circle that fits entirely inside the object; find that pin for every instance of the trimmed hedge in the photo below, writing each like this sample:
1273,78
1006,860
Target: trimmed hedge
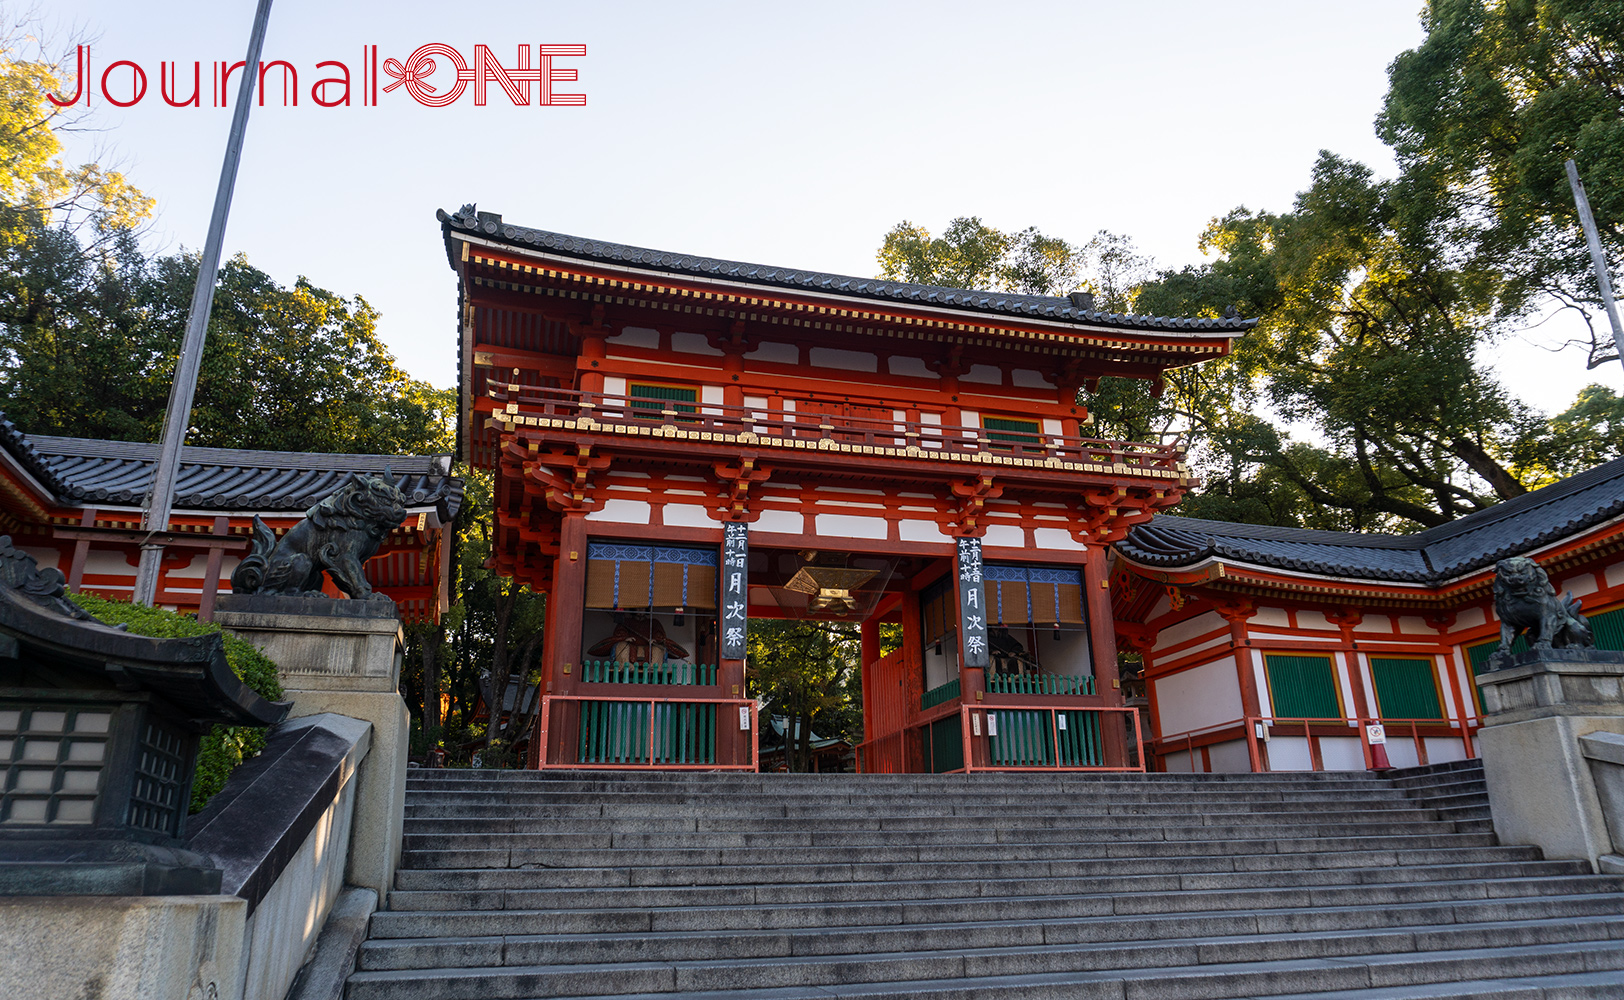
223,747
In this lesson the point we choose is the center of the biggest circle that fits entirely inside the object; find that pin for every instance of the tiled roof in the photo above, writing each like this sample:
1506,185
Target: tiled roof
1044,307
1433,556
90,472
17,445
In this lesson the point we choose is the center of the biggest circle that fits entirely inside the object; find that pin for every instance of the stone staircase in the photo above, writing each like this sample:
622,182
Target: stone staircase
1335,886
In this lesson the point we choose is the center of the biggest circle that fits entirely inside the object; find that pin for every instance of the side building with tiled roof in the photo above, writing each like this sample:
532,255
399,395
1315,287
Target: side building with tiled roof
1276,647
75,504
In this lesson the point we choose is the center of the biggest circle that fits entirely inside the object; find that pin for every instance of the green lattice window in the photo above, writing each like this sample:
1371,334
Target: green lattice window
1406,688
1005,432
1302,687
650,400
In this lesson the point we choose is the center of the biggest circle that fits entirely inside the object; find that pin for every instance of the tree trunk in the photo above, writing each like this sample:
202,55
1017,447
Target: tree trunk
431,679
499,660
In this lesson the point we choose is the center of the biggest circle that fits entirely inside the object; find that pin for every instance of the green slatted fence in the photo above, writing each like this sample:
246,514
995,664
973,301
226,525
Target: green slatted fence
940,695
651,400
946,748
617,732
1026,738
1406,688
1039,684
1608,628
1302,687
611,672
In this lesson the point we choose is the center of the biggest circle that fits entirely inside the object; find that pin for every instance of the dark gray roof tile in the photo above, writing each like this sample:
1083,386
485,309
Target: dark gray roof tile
1433,556
1007,303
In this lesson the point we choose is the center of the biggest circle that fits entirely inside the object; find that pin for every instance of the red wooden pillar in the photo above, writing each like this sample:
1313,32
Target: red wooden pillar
81,551
211,575
913,682
1251,705
569,594
1102,647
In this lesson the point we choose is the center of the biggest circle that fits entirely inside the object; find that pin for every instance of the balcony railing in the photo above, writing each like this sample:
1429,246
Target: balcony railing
812,420
616,672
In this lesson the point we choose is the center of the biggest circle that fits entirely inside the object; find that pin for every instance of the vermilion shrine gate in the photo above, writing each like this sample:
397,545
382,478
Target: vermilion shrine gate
680,444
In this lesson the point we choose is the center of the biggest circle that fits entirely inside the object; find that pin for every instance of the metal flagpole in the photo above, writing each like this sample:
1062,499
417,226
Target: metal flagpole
1597,257
156,517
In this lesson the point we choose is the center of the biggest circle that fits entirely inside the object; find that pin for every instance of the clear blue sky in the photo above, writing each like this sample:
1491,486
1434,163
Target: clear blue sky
789,134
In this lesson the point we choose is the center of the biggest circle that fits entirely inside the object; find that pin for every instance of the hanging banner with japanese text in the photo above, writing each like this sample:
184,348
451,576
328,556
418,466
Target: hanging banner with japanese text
735,595
972,603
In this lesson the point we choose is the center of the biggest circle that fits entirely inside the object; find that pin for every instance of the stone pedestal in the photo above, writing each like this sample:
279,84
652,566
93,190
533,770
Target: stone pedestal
343,657
1536,709
122,947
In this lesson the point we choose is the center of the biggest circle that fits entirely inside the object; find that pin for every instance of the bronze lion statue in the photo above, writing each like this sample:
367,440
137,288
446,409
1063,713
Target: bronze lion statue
1526,602
337,536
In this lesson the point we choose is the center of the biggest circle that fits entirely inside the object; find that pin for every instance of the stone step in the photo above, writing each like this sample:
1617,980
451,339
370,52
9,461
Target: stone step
1085,858
733,780
771,905
1437,835
1148,876
1127,972
1097,943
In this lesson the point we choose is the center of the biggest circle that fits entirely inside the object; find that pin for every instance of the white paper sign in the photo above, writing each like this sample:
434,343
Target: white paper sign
1377,734
992,724
975,724
744,717
1060,720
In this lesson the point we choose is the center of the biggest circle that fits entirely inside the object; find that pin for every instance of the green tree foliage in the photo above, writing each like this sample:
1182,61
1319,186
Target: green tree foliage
808,672
37,187
1368,336
89,340
222,747
493,631
971,254
1488,107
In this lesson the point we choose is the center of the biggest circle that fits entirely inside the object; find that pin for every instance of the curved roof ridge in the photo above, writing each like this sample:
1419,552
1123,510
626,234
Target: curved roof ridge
1010,303
1433,556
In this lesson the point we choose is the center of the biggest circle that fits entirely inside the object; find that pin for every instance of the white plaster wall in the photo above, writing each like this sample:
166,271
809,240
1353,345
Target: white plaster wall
1615,574
1579,586
1401,751
1186,630
1473,617
1007,535
1208,695
710,396
1314,620
776,353
920,531
1057,539
984,374
1375,623
1270,617
850,526
1342,753
687,515
1230,757
1177,762
623,512
693,343
1289,753
788,521
911,367
1443,749
1221,640
850,361
614,385
1026,378
1414,625
636,336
